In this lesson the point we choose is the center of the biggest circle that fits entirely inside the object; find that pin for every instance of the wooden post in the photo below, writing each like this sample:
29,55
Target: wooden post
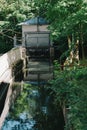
15,40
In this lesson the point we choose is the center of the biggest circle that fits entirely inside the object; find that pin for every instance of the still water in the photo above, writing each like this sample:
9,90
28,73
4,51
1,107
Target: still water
34,110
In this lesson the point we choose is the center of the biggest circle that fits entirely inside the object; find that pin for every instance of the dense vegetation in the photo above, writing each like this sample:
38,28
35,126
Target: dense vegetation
68,25
69,88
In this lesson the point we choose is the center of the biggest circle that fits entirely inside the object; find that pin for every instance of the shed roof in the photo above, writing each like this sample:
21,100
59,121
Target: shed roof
35,21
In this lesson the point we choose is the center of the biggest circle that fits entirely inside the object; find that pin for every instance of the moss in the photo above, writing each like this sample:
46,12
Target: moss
17,70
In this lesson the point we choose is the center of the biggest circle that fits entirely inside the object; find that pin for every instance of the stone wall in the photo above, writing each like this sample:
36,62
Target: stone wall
6,62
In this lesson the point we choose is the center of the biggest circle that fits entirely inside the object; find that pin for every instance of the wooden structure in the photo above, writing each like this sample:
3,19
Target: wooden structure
39,50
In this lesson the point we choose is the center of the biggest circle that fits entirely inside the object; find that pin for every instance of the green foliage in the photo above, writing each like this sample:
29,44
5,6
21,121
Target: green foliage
70,87
16,11
5,43
21,103
65,16
25,102
68,18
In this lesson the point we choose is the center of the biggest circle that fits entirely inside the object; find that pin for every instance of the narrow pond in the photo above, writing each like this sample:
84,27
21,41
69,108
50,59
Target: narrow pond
34,110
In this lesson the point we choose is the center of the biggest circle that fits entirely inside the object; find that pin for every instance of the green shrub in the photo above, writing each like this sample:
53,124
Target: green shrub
70,88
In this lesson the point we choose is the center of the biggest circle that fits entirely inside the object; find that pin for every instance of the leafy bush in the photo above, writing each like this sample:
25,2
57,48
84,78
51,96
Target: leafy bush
70,89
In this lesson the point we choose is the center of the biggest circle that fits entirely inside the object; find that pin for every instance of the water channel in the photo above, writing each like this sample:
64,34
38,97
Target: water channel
34,110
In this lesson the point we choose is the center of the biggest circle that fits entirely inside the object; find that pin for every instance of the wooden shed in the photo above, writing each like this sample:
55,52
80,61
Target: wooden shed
35,32
36,40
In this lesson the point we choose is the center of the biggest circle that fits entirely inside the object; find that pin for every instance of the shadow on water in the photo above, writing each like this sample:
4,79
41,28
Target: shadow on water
34,110
3,93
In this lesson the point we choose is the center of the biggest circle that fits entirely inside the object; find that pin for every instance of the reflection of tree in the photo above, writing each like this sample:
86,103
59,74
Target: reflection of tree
18,125
24,102
50,118
30,106
21,115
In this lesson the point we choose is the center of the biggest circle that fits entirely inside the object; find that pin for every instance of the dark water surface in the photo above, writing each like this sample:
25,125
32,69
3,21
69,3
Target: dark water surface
34,110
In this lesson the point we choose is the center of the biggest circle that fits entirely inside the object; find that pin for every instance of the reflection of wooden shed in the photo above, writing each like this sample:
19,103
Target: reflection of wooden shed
36,40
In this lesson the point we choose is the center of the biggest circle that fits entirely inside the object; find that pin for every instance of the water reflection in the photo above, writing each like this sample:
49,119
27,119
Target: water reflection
19,125
34,110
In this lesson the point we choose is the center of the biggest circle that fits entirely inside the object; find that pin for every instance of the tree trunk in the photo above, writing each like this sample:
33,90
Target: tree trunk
64,112
69,59
81,41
